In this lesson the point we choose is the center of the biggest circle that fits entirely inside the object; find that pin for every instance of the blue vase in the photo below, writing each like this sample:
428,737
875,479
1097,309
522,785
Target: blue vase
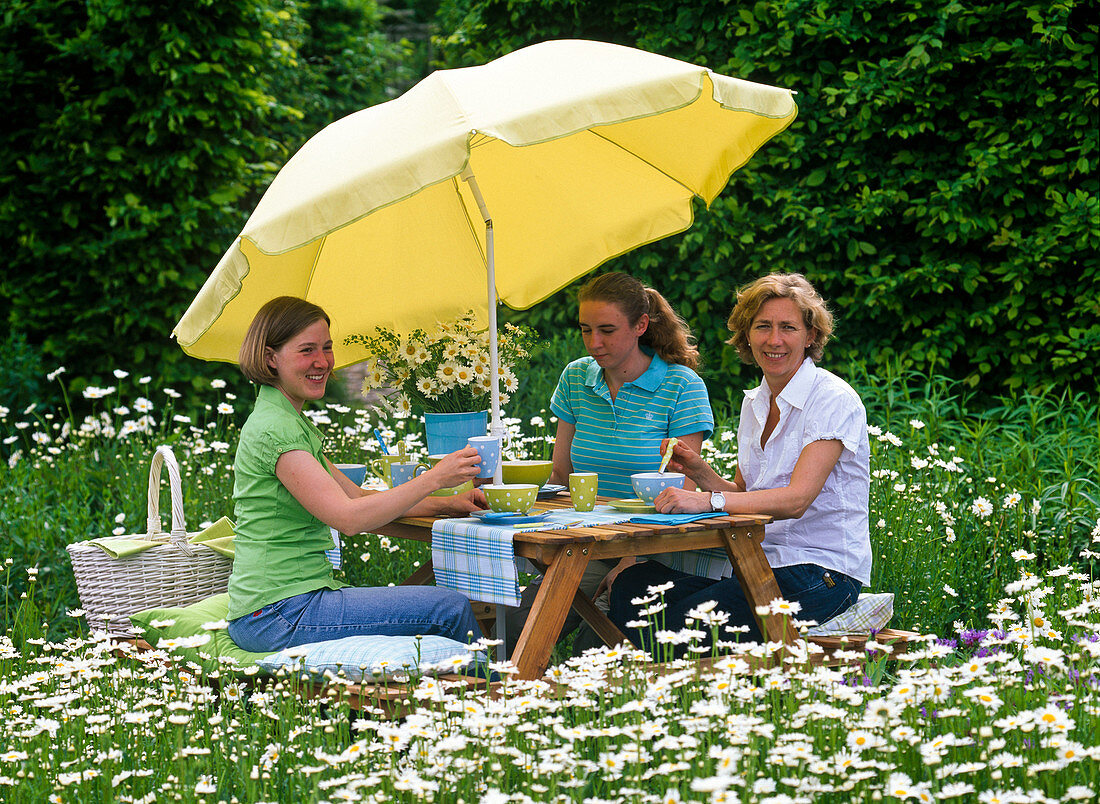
447,432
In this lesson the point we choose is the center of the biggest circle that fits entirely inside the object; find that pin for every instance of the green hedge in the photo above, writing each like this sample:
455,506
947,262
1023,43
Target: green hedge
939,184
139,137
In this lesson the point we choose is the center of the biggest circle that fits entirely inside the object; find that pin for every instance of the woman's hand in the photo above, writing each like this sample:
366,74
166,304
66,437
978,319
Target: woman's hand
688,461
680,501
333,502
609,579
456,505
456,468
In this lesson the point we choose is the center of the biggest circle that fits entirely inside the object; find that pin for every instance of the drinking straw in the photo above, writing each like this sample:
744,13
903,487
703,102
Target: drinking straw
381,442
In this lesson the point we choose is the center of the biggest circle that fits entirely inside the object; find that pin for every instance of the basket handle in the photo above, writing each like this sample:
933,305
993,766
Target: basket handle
164,456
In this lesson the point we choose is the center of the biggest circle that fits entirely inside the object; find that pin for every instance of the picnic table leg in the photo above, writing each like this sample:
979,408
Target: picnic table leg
758,582
604,628
423,575
555,595
586,608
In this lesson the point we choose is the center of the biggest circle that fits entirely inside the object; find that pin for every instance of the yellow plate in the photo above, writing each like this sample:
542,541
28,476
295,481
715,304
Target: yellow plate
633,505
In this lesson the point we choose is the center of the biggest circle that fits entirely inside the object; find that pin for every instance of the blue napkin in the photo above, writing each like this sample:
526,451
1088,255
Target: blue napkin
674,519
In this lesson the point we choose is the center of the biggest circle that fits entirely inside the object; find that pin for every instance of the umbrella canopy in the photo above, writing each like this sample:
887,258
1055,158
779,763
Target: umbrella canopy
578,151
582,151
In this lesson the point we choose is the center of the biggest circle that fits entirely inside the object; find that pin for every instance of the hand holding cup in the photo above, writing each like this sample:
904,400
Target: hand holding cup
488,448
456,468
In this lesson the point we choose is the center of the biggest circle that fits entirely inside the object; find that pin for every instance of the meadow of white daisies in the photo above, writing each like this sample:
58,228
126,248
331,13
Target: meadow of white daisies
984,524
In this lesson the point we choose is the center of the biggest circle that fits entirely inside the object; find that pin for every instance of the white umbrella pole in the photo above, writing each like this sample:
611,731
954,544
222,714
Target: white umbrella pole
496,426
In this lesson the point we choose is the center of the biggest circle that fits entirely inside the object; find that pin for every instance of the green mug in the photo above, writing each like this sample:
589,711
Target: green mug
381,466
582,490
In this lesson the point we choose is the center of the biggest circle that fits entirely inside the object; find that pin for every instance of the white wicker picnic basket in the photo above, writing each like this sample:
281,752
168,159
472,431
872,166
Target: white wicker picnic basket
174,573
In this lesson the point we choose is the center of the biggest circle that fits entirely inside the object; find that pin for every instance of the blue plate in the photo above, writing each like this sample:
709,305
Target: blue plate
550,490
506,518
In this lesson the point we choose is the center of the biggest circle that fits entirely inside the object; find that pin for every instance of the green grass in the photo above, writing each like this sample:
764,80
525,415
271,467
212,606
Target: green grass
984,523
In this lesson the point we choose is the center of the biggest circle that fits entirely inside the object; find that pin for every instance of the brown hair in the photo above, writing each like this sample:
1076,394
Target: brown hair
667,334
276,323
751,297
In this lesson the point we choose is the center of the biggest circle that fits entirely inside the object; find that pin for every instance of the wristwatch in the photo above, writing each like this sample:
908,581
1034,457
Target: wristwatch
717,501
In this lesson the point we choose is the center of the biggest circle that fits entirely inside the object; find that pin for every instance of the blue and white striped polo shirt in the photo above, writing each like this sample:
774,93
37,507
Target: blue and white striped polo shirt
618,438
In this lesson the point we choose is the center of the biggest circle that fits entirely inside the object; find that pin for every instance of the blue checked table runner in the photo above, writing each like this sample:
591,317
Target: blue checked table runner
478,560
710,563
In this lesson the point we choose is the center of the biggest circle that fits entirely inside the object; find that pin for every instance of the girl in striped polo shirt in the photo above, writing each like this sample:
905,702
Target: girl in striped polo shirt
637,387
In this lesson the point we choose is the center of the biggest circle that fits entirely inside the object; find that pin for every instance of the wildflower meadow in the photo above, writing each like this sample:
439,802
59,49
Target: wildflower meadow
985,526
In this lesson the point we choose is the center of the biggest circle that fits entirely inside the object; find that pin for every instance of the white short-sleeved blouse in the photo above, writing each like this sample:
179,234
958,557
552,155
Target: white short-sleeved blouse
816,405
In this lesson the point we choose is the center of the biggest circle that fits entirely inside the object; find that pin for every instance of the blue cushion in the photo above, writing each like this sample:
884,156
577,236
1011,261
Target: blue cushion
374,658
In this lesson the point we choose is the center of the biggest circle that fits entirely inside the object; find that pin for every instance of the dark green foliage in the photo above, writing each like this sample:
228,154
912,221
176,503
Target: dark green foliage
144,136
140,136
23,382
351,62
939,184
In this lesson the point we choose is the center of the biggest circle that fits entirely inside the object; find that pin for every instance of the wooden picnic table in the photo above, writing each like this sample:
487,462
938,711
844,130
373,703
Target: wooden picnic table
561,555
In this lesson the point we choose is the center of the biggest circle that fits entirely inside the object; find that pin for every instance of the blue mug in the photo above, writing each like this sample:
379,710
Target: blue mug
404,472
488,447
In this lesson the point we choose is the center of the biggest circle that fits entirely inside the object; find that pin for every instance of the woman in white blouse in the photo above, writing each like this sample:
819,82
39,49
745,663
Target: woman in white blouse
803,458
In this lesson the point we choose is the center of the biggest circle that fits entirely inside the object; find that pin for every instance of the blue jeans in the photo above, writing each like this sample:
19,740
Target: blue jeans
353,611
804,583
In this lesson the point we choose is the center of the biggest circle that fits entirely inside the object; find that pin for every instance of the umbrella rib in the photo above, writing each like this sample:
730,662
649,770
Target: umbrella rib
469,221
664,173
316,262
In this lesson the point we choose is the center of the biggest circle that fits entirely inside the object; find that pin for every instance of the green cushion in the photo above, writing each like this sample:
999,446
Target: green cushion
187,625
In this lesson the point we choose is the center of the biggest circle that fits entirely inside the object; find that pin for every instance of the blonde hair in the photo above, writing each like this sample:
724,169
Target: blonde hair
751,297
276,323
667,334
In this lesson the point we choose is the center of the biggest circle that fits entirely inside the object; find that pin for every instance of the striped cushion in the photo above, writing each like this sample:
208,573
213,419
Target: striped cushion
871,612
374,658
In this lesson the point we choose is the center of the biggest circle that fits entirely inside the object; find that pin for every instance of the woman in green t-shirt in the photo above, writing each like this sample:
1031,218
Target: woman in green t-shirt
287,495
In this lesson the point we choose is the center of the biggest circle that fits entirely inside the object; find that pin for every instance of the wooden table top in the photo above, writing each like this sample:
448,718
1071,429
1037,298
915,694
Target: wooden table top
419,528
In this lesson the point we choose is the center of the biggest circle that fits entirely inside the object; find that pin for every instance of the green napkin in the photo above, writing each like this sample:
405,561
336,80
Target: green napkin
218,537
118,547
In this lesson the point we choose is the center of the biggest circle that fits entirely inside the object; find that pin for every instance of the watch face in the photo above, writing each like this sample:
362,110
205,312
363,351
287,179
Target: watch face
717,500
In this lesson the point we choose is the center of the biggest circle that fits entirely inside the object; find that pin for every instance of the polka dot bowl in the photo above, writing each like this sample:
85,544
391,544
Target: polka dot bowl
516,498
647,485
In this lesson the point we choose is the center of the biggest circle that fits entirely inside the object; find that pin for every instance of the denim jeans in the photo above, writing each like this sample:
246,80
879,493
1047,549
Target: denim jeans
353,611
802,583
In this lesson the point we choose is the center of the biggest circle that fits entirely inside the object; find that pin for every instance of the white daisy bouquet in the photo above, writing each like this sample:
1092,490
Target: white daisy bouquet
446,371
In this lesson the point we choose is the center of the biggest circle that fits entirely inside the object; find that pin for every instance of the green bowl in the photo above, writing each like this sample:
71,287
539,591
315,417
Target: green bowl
536,472
516,498
453,490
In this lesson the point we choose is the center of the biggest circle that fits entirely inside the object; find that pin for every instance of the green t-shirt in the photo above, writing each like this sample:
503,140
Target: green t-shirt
279,546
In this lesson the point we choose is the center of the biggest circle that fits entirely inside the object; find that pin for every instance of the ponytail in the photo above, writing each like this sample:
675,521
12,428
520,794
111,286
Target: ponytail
668,333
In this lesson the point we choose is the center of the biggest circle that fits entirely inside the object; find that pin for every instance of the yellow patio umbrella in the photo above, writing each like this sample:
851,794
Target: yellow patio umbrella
503,182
